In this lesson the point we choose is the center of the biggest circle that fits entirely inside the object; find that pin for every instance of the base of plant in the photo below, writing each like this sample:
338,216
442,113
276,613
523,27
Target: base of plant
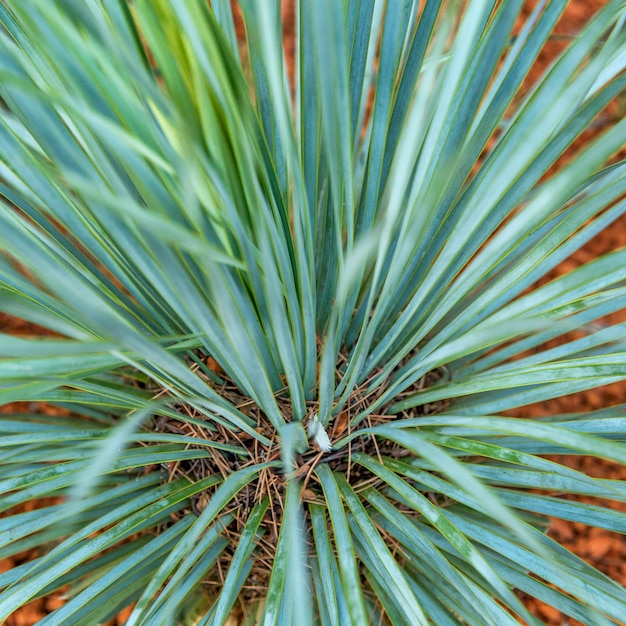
271,482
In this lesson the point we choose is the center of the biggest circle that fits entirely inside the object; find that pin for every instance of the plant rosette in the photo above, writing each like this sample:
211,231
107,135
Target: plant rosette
294,316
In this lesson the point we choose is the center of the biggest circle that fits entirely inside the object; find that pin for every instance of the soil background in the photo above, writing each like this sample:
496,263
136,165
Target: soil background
603,549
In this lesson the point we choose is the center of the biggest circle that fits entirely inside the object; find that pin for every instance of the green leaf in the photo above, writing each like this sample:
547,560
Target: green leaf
179,560
389,573
343,542
245,547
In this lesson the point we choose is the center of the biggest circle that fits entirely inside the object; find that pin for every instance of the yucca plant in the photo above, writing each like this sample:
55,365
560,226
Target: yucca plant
293,316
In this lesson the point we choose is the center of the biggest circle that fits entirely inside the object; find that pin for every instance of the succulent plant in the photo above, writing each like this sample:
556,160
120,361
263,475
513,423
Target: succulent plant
291,306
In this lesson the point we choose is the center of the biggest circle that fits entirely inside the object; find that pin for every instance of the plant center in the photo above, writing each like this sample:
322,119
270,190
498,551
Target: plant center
271,482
